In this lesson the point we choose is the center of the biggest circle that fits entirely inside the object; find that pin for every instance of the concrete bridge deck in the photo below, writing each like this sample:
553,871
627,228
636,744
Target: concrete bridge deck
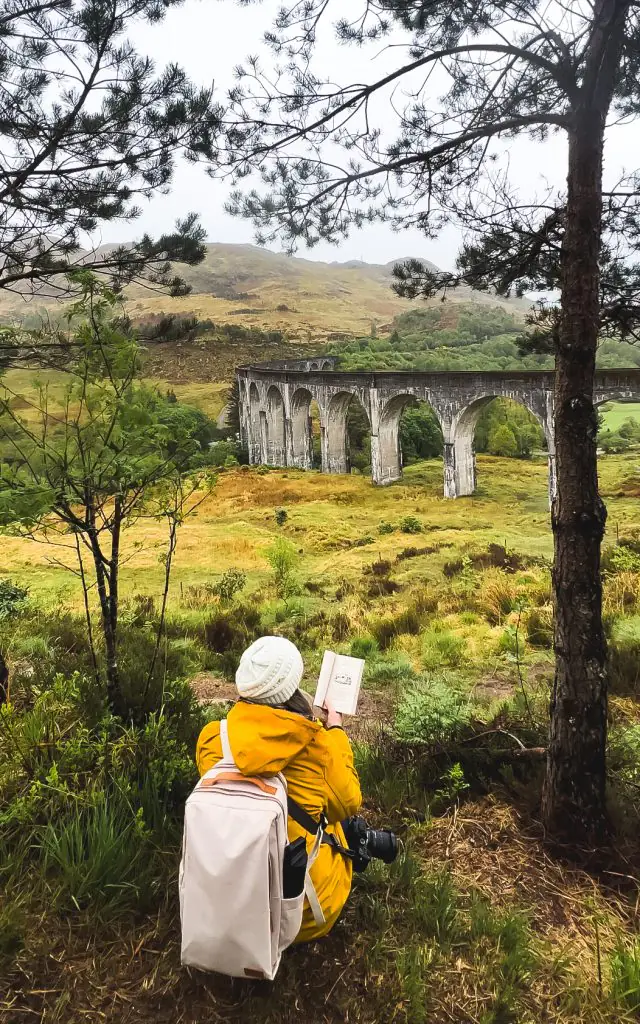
275,400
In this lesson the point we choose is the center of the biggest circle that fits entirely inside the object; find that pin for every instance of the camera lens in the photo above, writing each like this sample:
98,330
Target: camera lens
382,843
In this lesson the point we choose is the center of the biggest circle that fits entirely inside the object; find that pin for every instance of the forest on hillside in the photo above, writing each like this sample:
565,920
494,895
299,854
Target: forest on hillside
462,337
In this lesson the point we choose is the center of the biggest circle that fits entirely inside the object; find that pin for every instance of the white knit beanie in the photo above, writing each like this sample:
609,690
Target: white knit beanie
270,670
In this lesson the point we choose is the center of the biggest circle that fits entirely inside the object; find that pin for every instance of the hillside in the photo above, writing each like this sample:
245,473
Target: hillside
308,301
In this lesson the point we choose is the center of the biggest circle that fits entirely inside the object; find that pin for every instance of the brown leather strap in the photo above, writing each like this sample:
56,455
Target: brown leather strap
239,777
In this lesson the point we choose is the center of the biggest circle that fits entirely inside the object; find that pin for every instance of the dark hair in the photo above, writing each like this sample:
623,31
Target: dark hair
299,703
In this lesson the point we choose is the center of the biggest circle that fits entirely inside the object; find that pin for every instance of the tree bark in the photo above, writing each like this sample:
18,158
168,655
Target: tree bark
114,693
574,805
574,795
4,680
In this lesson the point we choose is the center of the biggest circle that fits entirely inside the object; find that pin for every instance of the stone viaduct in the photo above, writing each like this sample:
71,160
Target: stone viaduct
275,419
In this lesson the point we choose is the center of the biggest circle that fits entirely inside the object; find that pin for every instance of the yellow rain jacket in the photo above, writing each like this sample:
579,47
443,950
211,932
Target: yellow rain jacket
318,765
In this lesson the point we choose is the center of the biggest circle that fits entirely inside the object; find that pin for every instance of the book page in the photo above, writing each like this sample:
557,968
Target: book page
324,679
339,682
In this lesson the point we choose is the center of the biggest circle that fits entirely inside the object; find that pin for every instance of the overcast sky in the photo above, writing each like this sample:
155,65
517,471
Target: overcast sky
210,37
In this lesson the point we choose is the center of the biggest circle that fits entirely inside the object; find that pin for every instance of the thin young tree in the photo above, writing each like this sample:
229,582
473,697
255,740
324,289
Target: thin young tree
461,79
81,469
88,129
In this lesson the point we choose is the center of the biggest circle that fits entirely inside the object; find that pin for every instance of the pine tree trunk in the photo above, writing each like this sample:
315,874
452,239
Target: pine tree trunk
574,804
574,797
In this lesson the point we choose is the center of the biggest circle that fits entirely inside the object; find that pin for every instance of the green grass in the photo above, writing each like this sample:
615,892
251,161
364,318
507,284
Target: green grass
209,396
466,925
327,515
619,412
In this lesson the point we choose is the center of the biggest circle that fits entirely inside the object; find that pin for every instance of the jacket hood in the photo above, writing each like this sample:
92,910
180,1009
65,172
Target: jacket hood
264,739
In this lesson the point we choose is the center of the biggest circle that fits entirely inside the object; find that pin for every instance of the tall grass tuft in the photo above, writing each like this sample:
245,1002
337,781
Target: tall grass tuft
442,648
100,856
497,595
625,976
624,655
434,907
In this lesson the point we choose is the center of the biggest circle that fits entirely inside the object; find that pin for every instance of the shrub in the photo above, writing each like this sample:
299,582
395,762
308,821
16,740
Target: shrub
227,633
220,633
622,558
502,441
280,515
231,583
413,552
408,621
382,587
497,556
410,524
431,712
511,642
344,588
12,598
386,527
363,646
424,602
180,658
138,610
380,568
225,453
613,442
283,559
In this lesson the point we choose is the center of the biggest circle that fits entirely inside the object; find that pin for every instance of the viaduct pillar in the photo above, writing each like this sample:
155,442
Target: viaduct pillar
275,417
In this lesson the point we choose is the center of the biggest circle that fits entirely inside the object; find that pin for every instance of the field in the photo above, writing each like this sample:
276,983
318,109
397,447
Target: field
334,522
449,603
619,412
478,921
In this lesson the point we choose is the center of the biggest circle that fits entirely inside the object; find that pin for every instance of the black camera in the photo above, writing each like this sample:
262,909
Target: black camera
365,843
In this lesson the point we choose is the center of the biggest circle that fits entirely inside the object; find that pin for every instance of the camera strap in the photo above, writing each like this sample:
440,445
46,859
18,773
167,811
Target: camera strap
310,825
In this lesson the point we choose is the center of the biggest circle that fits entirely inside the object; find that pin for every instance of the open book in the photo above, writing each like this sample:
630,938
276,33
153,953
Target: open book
339,682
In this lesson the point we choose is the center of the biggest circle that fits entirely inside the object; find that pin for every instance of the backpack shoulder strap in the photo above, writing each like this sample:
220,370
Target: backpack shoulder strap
224,738
315,828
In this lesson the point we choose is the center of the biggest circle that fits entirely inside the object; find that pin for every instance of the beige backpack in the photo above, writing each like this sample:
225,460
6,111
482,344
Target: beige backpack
234,917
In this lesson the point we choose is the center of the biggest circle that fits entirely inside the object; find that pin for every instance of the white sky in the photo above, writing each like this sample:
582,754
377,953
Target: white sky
210,37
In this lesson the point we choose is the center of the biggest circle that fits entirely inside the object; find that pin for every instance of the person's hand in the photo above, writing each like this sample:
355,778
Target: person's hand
320,713
333,717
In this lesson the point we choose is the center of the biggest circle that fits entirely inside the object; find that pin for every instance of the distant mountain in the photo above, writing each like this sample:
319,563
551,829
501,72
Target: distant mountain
307,300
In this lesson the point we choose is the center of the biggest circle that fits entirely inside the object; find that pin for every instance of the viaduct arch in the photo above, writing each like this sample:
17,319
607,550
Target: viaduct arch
275,422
